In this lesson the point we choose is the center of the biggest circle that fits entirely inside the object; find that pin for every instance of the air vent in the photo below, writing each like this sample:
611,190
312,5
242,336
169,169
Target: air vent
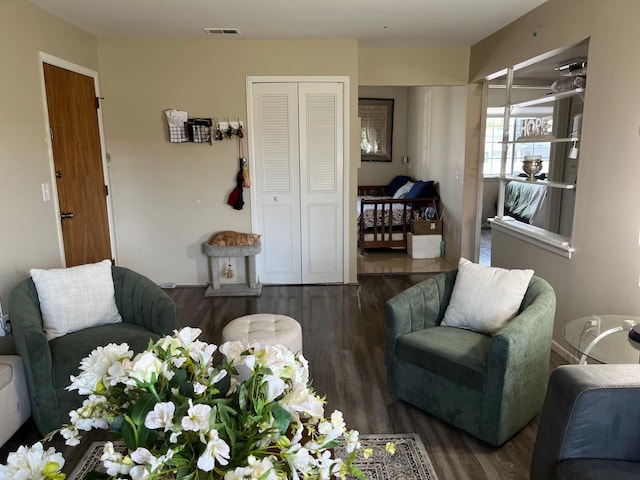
221,31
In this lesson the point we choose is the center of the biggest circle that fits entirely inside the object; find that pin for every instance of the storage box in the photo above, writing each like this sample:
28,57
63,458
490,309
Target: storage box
426,227
423,246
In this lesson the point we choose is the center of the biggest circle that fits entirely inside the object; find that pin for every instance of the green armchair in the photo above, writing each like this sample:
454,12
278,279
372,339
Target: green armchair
488,386
147,314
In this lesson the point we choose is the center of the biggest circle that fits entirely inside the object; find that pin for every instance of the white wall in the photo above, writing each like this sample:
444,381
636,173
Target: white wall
381,173
603,274
436,145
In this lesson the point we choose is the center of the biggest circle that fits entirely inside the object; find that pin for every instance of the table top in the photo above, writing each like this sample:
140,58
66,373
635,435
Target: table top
612,331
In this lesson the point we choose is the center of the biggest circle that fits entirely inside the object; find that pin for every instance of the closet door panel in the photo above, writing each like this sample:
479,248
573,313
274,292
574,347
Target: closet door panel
321,166
277,216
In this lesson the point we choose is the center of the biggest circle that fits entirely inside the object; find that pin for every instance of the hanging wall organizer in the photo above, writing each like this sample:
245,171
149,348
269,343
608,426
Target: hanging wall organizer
200,130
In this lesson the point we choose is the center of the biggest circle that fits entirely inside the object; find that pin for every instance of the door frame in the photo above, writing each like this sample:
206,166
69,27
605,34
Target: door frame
346,164
61,63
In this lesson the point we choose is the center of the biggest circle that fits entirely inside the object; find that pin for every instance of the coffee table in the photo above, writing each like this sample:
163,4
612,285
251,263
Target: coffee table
603,338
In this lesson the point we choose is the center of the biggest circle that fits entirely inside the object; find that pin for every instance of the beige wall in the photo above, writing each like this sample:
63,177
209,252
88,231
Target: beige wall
28,231
602,277
169,198
380,173
435,144
413,66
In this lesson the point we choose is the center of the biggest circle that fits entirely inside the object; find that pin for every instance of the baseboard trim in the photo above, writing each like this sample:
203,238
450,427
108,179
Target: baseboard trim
564,353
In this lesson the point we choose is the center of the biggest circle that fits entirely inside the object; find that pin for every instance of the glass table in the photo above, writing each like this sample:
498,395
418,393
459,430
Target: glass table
603,338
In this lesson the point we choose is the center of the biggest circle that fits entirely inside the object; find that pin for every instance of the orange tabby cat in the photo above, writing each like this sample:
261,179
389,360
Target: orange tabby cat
229,238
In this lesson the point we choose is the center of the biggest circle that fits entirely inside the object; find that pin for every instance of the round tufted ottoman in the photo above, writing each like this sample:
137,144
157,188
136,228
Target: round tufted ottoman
265,328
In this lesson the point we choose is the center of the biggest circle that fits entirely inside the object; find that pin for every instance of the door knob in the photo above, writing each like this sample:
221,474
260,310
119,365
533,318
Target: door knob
275,199
64,215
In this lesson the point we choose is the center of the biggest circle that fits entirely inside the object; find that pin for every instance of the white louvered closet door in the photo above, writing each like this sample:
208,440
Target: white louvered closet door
321,164
298,144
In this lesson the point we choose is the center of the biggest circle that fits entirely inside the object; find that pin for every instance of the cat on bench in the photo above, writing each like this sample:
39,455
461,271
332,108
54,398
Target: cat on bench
229,238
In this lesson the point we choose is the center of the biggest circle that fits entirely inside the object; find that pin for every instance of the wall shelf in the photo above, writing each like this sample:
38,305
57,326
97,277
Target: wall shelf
549,98
543,140
546,183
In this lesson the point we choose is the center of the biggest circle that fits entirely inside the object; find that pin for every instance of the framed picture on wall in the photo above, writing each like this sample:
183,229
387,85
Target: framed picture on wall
376,129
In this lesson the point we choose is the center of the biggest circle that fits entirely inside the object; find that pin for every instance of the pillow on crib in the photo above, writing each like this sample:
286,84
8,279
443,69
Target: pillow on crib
396,183
403,190
422,190
485,299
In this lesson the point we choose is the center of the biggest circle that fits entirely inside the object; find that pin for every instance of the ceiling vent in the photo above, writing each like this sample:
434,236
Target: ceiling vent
221,31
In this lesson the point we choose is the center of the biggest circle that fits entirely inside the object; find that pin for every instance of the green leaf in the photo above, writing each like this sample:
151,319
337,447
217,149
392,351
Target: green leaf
143,406
129,436
355,471
116,425
243,396
186,389
282,418
143,435
180,377
96,476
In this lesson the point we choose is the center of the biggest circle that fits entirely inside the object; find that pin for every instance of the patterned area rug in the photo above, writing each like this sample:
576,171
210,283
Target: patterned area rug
410,462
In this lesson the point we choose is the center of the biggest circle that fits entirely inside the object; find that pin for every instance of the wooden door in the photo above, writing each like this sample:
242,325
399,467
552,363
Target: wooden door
77,155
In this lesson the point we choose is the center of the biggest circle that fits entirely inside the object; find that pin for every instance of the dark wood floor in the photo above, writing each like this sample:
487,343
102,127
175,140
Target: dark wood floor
344,341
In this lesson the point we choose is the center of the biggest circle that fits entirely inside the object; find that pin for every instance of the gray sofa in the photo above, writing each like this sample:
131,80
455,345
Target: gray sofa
590,424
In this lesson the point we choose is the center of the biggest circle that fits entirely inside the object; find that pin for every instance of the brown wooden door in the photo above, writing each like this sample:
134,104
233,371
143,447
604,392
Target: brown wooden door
77,156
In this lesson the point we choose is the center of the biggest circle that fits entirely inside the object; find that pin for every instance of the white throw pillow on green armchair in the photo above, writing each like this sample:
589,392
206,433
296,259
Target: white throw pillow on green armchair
76,298
485,299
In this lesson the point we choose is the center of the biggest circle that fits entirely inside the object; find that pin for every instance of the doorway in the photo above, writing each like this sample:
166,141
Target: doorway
78,162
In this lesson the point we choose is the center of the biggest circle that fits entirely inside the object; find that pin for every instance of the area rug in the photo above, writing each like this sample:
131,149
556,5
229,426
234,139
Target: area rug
410,461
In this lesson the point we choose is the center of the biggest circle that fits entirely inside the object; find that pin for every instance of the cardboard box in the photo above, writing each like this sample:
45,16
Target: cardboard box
423,246
426,227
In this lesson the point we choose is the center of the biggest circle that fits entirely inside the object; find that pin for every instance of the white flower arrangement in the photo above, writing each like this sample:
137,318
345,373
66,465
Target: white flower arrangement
253,416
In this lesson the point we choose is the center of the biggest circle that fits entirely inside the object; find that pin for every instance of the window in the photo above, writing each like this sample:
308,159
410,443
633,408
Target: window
515,151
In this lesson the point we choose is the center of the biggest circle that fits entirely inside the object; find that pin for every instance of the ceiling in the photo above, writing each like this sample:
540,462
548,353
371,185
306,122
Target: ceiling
374,23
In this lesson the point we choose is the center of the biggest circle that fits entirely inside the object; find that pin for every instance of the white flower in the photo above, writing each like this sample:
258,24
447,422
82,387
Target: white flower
217,377
275,387
352,440
28,463
302,460
92,414
71,435
161,416
95,367
187,335
240,473
199,388
328,465
232,350
202,353
146,367
217,450
147,463
114,462
301,400
197,419
262,469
